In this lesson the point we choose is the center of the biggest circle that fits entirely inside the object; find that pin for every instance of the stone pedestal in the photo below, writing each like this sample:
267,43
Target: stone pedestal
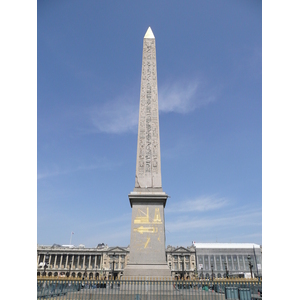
147,241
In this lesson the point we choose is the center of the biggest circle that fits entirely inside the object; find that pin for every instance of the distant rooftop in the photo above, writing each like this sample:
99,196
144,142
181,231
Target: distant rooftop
225,245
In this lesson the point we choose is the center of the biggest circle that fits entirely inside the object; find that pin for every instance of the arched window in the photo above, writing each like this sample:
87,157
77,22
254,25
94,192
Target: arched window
207,276
55,274
219,275
73,275
50,274
38,274
91,276
79,275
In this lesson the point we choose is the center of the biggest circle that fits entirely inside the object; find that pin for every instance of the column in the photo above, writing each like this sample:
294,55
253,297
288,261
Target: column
50,255
78,261
96,261
61,257
66,266
55,261
72,266
38,260
83,262
90,261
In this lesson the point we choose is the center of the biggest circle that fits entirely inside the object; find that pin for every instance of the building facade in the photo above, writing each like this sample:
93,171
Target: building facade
215,259
182,262
200,260
79,262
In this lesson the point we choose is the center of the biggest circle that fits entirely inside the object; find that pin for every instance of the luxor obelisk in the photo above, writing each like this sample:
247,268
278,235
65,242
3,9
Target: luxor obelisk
147,241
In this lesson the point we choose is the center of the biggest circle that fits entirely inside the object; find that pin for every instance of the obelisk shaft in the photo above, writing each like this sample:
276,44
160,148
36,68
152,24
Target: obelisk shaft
148,168
147,239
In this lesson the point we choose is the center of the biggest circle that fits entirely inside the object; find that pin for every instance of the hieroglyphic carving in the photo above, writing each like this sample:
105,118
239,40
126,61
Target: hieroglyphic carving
148,157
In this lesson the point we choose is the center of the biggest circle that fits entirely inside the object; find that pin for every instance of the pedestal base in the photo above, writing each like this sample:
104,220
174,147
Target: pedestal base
148,271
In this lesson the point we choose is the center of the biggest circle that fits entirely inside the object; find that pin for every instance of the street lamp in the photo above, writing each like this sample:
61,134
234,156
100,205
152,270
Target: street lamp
202,273
250,265
225,264
196,273
212,272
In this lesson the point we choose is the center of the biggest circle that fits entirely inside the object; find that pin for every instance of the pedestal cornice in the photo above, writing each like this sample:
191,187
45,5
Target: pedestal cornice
141,197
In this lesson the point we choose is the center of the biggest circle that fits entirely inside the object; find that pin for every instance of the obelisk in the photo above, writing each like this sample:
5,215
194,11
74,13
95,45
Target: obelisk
147,241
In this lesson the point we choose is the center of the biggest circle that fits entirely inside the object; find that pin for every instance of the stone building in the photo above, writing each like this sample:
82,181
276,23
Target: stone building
182,261
200,260
216,258
78,262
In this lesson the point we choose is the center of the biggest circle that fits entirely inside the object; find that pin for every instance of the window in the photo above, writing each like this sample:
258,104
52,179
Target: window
223,258
175,266
218,263
206,267
241,262
235,262
187,266
246,263
212,261
229,261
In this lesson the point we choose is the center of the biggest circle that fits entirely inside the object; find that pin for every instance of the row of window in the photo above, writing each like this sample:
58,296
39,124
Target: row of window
231,262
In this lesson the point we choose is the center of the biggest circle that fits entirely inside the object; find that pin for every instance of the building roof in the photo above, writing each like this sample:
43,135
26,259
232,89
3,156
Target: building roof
225,245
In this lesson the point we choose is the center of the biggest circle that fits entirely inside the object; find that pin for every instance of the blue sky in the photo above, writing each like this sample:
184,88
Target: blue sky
209,65
63,169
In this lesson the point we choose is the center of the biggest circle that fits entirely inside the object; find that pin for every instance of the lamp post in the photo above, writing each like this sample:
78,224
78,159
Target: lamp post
250,264
196,273
225,263
212,272
202,273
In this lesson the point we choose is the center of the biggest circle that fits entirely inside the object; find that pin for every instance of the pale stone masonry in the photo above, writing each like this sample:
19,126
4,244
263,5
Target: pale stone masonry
148,168
189,262
147,239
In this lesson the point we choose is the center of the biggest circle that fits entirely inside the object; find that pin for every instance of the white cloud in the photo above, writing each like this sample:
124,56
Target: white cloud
182,96
228,219
120,115
200,204
117,116
56,171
